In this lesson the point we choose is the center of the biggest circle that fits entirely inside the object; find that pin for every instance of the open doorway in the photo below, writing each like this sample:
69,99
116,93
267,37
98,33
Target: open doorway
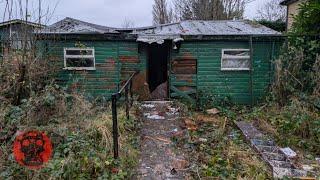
158,55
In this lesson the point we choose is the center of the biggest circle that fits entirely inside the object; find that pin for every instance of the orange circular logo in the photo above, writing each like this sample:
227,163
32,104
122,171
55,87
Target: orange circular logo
32,149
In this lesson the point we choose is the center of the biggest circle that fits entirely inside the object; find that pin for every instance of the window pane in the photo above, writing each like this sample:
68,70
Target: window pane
79,52
236,63
80,62
237,53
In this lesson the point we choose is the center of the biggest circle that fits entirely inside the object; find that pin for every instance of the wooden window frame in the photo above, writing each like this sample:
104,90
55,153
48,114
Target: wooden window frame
79,56
223,57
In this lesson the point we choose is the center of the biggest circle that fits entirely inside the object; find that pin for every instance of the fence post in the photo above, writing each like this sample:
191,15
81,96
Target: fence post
131,94
115,127
127,102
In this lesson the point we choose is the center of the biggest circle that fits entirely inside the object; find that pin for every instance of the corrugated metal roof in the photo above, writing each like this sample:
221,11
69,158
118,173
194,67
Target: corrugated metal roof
214,28
15,21
191,27
74,26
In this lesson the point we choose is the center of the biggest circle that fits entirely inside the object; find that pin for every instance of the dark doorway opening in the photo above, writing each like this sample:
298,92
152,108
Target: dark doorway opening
158,55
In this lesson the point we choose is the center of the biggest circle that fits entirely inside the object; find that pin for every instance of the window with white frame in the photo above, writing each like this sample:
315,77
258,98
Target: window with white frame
235,59
79,59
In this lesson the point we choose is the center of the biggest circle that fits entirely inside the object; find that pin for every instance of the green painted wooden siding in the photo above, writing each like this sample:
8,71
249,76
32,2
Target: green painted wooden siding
236,85
115,60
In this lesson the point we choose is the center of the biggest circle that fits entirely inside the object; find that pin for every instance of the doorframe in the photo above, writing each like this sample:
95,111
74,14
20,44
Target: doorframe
169,68
168,47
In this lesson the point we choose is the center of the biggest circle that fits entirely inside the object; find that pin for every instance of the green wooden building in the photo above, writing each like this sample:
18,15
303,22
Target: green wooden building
198,59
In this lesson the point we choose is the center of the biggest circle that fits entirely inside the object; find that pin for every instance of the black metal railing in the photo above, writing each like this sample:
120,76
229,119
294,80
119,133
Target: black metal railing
126,89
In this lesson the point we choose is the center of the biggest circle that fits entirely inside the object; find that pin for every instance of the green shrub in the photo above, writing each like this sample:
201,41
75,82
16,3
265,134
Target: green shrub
278,25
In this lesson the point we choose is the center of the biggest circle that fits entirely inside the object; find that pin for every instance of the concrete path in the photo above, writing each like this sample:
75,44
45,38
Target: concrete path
158,159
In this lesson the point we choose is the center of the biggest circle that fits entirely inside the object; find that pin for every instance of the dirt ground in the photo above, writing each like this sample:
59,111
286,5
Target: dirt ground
159,159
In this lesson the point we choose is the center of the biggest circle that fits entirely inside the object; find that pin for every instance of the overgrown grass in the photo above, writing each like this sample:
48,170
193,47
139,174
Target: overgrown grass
296,124
218,151
80,132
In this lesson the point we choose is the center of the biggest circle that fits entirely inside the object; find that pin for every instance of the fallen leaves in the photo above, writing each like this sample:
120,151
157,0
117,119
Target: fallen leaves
190,125
206,118
115,170
179,164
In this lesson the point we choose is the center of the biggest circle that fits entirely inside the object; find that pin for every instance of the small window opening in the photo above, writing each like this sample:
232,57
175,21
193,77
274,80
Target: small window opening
235,59
79,59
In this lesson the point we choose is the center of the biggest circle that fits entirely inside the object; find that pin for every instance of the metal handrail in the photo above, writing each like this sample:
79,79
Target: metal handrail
126,88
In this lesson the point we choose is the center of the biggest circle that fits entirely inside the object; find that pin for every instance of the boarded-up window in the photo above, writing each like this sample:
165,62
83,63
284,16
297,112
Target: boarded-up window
184,66
79,59
235,59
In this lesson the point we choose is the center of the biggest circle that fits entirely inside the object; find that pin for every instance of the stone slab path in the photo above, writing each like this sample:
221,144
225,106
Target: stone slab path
280,164
158,159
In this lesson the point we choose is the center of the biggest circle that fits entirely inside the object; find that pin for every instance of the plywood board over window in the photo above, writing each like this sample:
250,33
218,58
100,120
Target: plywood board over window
235,60
79,59
184,78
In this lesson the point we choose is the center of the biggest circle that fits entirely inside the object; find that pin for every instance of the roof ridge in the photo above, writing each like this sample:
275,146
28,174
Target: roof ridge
20,21
85,22
226,20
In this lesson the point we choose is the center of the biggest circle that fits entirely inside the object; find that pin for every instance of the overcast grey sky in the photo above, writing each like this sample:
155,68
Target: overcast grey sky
108,12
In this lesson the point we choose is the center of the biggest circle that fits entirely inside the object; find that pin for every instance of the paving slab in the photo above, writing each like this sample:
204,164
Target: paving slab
280,164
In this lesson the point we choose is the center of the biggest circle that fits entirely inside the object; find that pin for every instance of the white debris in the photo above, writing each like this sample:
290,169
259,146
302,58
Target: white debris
289,152
175,130
148,105
156,117
213,111
146,114
204,140
172,111
157,38
307,168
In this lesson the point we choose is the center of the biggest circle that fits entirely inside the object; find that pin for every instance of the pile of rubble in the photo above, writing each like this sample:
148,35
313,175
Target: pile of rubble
141,89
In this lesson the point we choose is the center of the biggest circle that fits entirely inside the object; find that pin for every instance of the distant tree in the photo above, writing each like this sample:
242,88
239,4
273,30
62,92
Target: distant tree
278,25
127,23
162,14
183,9
272,11
210,9
234,9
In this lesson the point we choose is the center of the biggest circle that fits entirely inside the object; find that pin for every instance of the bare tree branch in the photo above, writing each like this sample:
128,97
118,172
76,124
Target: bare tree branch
127,23
162,14
210,9
272,11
